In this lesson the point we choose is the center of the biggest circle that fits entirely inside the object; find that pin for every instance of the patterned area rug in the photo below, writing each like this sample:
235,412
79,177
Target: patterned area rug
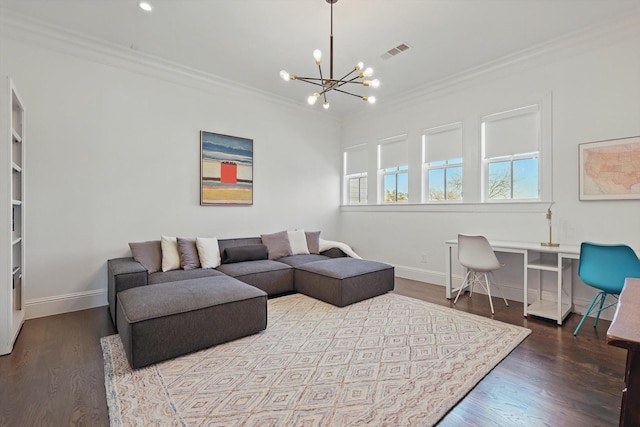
390,360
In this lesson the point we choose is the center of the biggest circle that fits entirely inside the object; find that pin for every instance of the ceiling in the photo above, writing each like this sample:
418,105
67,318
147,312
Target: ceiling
250,41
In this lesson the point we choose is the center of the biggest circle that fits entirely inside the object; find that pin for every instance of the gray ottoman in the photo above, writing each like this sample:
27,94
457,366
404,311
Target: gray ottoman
158,322
343,281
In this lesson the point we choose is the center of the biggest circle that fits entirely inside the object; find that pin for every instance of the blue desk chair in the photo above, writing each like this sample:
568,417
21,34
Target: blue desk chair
605,267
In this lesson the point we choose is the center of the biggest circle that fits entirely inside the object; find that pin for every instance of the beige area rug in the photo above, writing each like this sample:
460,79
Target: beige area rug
390,360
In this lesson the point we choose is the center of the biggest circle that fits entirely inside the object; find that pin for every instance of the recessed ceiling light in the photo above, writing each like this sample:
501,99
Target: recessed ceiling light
146,6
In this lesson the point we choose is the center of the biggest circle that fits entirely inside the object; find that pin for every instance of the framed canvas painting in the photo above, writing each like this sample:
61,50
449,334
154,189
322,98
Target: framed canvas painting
609,170
226,170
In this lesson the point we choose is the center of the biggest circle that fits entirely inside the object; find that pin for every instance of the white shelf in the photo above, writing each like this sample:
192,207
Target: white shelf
542,265
16,136
548,309
12,257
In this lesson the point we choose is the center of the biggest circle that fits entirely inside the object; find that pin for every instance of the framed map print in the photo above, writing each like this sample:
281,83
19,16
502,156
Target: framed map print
610,170
226,170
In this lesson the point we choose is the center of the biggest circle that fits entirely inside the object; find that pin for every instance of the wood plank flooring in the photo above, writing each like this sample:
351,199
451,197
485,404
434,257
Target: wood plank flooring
54,377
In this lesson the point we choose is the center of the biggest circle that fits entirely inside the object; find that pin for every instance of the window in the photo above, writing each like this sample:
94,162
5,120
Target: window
355,175
393,170
442,163
396,184
511,152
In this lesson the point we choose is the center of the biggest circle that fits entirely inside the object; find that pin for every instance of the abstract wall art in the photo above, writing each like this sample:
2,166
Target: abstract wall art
226,170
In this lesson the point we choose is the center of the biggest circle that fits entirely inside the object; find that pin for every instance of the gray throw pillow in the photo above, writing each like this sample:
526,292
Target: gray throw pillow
244,253
277,244
149,254
188,251
313,241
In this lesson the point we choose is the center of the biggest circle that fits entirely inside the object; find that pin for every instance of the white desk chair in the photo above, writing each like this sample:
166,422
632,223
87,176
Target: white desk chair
477,256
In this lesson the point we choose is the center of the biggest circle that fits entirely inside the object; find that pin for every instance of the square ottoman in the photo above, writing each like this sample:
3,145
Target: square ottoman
344,281
158,322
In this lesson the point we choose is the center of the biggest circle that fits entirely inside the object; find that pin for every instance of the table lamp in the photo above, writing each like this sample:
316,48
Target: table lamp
550,242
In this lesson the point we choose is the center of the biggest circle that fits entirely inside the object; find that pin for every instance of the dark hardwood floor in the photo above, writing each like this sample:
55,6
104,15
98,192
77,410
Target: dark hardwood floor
54,377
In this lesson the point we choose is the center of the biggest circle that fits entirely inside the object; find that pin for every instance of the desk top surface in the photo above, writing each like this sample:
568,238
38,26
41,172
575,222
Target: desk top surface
530,246
624,331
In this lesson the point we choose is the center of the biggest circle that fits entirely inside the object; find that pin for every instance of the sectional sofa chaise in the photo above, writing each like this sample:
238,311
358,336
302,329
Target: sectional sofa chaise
162,314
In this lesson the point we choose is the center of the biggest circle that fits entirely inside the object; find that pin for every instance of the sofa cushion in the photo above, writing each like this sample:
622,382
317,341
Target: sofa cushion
313,241
180,275
295,260
270,276
244,253
170,253
149,254
188,251
277,244
208,252
298,242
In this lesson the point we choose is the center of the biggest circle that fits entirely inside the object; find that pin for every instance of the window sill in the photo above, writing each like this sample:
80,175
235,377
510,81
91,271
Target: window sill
510,207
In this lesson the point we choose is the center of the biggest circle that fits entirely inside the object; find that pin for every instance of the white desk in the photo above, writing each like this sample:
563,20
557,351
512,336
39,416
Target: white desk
536,257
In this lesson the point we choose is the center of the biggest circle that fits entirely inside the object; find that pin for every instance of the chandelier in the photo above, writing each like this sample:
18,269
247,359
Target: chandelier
358,76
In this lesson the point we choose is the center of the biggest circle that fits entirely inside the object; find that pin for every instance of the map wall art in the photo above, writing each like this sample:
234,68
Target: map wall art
610,170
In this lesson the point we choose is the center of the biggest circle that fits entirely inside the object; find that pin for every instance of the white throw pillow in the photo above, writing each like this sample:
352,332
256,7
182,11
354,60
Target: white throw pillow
208,251
298,242
170,253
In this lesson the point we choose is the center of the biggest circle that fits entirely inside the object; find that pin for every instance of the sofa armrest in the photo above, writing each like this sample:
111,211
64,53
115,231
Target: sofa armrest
123,274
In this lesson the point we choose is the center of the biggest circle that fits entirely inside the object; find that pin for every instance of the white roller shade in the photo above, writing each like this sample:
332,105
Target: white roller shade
443,144
512,133
356,161
393,154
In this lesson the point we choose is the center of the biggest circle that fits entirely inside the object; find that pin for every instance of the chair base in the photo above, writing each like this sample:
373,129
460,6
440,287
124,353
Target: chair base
475,277
598,300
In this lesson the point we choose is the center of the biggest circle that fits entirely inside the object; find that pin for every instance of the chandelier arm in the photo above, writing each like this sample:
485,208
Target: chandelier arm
348,93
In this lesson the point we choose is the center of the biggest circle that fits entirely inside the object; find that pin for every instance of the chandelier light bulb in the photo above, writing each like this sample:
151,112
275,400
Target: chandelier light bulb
368,72
313,98
146,6
325,105
317,55
370,99
375,83
359,66
285,76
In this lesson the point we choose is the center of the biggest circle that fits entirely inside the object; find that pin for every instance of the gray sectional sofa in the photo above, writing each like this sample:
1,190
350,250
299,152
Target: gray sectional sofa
146,314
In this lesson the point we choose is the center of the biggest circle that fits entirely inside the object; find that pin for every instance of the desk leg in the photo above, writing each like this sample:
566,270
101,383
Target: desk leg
630,411
447,275
525,280
559,304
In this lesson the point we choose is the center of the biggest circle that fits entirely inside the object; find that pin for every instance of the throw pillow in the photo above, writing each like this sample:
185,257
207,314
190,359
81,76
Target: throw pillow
170,254
188,251
277,244
208,251
313,241
244,253
298,242
149,254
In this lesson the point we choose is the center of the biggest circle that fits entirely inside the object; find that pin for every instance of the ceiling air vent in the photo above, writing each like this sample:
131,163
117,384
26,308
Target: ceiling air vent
395,51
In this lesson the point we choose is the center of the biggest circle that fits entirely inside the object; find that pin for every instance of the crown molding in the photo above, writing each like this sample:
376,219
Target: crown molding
28,30
561,47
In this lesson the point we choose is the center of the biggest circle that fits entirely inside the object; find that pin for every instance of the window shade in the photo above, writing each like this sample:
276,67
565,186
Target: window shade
512,133
393,154
443,145
356,161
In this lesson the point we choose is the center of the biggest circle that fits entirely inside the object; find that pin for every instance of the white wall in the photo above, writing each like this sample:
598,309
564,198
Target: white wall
113,156
594,80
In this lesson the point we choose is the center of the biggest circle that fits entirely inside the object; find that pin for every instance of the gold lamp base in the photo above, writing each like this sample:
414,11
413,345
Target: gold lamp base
553,245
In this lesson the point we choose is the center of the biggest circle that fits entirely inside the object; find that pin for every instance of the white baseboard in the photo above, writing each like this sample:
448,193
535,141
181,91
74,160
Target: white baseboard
419,274
49,306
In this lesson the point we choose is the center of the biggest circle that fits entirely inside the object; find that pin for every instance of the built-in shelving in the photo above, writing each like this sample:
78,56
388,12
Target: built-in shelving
12,236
